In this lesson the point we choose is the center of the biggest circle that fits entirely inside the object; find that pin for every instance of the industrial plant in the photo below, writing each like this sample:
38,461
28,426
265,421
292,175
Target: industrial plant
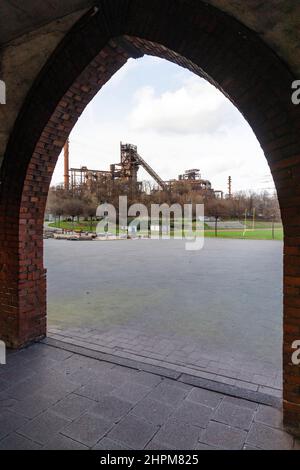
125,173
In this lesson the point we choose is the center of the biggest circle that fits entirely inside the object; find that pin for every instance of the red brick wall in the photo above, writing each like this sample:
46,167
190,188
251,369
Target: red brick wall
195,36
23,277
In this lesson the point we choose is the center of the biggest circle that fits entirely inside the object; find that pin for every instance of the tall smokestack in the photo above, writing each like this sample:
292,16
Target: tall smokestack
66,171
229,187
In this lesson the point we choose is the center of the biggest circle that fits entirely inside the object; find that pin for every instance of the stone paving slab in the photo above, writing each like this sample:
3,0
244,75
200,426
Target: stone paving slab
153,411
223,436
234,415
112,408
147,366
133,432
41,428
268,438
236,372
193,414
170,314
88,429
16,442
60,442
179,435
250,393
157,413
73,406
109,444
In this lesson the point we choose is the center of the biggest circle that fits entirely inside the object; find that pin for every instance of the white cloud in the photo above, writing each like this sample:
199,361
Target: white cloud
122,73
189,125
195,107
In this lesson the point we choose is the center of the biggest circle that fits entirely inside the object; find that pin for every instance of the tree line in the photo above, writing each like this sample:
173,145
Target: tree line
66,204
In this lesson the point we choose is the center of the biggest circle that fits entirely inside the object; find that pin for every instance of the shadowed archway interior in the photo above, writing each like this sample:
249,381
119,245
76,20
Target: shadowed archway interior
198,37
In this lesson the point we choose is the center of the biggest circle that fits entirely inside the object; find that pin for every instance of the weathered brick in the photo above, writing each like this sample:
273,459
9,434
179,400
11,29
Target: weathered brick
254,78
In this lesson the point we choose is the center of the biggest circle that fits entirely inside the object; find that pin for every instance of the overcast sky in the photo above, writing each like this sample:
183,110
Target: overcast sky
177,120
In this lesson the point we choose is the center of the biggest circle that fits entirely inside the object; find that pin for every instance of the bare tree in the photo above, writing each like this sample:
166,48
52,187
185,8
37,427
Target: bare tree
73,207
84,202
90,209
217,208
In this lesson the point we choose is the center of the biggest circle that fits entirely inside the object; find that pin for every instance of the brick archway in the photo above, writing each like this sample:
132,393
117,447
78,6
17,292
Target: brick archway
195,36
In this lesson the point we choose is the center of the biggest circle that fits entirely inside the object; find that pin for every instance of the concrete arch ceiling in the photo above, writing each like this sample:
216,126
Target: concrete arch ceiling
275,21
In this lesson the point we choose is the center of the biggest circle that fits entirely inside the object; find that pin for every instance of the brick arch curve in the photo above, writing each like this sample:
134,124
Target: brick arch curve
195,36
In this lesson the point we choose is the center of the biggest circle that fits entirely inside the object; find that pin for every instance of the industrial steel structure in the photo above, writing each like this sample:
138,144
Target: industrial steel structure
193,180
126,172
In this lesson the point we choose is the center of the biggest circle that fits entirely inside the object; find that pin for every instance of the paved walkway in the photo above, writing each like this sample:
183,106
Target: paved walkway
52,398
216,313
181,354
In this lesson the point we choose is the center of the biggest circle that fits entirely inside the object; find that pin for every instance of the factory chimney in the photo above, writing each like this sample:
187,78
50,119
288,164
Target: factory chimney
66,171
229,187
